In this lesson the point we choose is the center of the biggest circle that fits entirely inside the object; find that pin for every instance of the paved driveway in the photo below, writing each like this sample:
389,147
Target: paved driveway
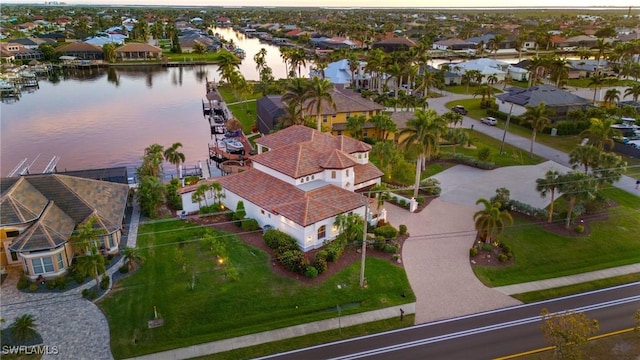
436,255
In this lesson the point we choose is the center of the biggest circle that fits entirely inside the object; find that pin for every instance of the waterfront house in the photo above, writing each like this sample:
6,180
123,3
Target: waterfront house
82,50
394,44
138,51
557,99
301,180
41,212
348,103
453,44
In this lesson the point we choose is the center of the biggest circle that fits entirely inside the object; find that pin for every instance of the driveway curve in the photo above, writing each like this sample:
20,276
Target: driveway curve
436,259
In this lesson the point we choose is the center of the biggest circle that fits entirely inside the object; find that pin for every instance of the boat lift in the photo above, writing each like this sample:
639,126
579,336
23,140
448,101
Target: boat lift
26,169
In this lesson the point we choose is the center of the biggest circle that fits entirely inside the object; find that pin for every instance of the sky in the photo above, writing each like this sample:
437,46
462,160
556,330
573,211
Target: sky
359,3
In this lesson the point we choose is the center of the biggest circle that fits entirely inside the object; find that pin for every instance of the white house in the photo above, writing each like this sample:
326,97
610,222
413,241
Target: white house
301,180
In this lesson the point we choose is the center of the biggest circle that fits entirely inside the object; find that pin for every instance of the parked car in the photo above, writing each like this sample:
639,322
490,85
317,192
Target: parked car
459,109
489,120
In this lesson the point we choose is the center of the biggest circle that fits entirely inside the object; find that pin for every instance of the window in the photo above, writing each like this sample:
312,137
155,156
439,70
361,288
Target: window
322,232
112,241
60,262
324,118
42,265
12,233
307,178
347,172
348,115
333,174
364,113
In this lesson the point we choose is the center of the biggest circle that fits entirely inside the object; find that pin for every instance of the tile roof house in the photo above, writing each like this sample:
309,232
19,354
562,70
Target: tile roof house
82,50
557,99
138,51
39,214
348,103
394,44
301,180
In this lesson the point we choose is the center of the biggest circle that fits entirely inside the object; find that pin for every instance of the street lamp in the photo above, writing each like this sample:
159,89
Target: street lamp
364,240
506,126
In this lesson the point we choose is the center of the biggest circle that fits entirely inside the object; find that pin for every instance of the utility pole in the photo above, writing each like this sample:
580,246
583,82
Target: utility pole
506,126
364,240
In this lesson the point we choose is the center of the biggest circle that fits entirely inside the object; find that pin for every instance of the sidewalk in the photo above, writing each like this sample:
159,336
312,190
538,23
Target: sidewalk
280,334
568,280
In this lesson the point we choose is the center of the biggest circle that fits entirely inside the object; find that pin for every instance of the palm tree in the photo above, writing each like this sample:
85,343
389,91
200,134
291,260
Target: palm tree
285,54
600,133
424,130
596,81
175,157
260,59
218,192
152,161
355,125
298,59
384,125
575,185
426,81
548,184
609,169
131,257
91,264
587,156
292,116
319,92
633,91
23,328
296,93
612,95
494,44
86,235
227,64
457,136
538,117
381,192
559,71
388,154
490,221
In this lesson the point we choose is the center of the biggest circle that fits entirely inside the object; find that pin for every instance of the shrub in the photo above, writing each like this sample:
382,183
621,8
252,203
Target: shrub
402,229
104,283
33,287
335,249
473,252
279,241
89,294
487,247
387,232
379,242
123,269
579,229
311,272
527,209
250,225
78,278
61,283
294,260
484,153
240,213
51,284
502,258
432,186
23,283
391,248
231,273
320,263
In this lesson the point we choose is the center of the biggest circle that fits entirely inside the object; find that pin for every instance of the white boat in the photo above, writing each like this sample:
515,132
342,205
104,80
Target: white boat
232,144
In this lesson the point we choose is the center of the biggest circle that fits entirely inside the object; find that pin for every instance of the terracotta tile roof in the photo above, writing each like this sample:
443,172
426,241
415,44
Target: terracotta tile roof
365,172
139,47
279,197
79,46
300,151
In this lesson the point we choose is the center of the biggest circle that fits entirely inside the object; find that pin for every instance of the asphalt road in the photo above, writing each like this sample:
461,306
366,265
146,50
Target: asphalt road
482,336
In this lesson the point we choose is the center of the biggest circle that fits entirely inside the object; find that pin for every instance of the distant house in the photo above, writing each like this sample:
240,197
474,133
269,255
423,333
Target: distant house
82,50
453,44
348,103
394,44
486,67
300,181
11,51
41,212
339,72
138,51
557,99
56,36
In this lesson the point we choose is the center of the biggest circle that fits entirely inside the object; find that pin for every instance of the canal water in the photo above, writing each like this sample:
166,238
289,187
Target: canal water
102,118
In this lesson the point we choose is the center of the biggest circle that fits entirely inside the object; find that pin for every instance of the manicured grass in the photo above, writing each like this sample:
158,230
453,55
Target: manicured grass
219,308
577,288
246,113
230,98
435,168
314,339
541,254
186,57
462,89
584,83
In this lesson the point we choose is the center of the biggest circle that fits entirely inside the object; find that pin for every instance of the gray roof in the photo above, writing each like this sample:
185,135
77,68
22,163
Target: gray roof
535,95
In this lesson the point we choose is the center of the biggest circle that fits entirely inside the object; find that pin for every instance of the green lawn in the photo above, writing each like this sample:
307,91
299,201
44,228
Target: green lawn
246,113
218,308
584,83
541,254
186,57
462,89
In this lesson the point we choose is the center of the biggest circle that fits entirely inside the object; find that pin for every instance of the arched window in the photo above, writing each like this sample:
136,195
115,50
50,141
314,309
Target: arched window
322,232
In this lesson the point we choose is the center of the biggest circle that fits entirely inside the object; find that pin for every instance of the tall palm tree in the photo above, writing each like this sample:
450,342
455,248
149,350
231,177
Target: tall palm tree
600,133
175,157
320,91
490,221
152,160
596,81
423,130
260,59
384,125
381,192
426,81
227,64
285,54
388,154
494,44
538,117
549,184
298,59
296,93
575,185
292,116
355,126
559,71
91,264
23,328
586,156
131,257
609,169
633,91
86,235
218,192
612,96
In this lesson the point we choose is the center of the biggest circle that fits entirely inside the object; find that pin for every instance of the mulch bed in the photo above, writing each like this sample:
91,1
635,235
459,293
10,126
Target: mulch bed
350,255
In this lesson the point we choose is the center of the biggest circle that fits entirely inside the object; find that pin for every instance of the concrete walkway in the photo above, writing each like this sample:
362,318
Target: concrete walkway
280,334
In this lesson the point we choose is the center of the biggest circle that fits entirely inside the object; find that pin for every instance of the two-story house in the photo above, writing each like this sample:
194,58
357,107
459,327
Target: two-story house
301,180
